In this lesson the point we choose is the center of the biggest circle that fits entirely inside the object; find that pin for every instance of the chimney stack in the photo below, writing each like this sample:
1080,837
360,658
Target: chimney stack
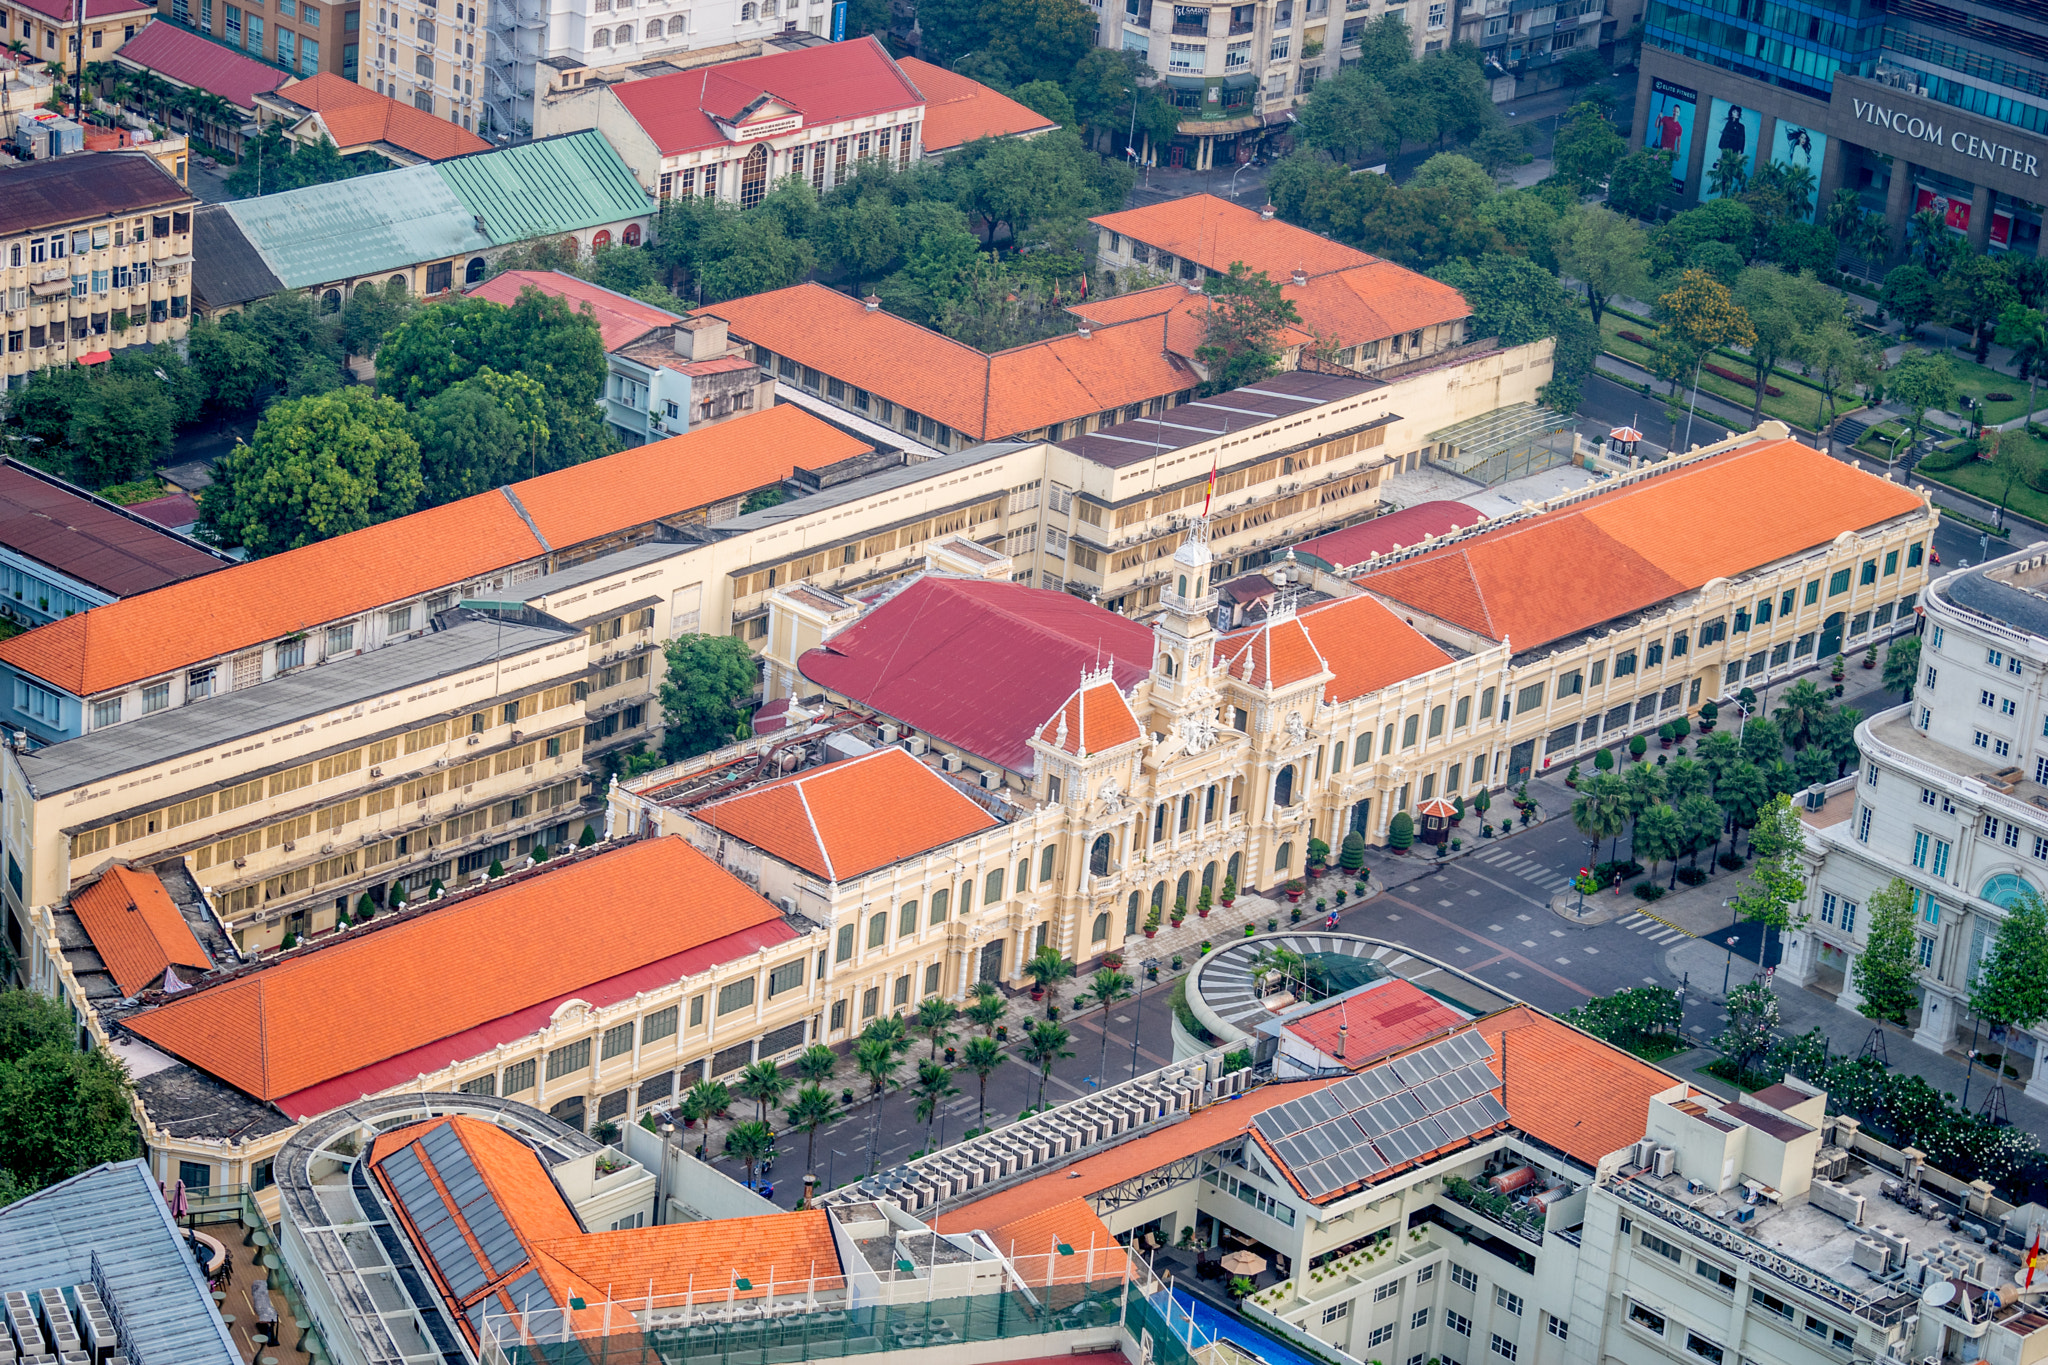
1300,276
1343,1032
1266,212
1084,330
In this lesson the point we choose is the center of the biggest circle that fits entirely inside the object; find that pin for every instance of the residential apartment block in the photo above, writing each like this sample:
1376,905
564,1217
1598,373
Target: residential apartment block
95,253
1950,802
417,52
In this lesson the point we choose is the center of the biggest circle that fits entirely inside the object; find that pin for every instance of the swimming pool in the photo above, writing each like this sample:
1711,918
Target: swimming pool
1211,1323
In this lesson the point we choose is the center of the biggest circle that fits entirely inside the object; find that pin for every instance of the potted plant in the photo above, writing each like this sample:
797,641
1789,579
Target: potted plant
1202,904
1401,832
1177,963
1250,930
1486,831
1152,923
1341,894
1680,728
1272,924
1229,897
1870,657
845,1097
1637,747
1203,948
1710,713
1318,856
1841,666
1457,844
1180,910
1666,736
1151,974
1294,915
1294,889
1351,854
1603,760
1323,905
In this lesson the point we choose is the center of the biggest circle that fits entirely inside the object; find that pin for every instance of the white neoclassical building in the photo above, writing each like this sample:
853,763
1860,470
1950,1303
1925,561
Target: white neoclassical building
1952,797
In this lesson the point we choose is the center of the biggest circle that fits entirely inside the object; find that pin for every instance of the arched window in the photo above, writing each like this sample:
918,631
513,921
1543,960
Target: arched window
631,235
1159,822
473,273
1101,930
767,9
1184,887
601,38
1233,872
1209,878
940,903
1159,896
398,280
426,32
675,26
330,302
2006,888
600,240
754,176
1283,858
1283,787
746,12
653,29
1098,855
992,888
571,248
1131,915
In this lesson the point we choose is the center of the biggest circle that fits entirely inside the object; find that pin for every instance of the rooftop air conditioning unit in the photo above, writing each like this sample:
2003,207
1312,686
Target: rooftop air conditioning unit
1663,1161
917,745
990,781
950,762
376,772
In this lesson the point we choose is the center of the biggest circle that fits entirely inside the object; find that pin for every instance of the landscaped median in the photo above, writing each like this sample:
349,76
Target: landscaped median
1727,375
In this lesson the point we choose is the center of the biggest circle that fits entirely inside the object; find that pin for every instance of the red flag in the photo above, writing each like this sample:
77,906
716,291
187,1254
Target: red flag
1210,496
2033,1255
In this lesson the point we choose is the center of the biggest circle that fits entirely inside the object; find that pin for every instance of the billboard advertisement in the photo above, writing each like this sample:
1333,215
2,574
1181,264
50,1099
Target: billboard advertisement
1670,127
839,21
1731,131
1804,148
1955,211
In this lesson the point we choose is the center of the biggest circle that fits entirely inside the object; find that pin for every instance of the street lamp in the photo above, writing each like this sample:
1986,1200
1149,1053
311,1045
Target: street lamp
831,1167
1727,966
1138,1025
1233,178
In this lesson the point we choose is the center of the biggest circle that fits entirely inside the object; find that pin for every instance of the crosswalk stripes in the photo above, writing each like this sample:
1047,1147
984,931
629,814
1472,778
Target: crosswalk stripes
1656,930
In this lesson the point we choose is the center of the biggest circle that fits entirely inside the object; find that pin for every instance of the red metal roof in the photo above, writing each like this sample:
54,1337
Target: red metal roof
1409,526
621,319
827,84
60,11
180,55
85,539
978,665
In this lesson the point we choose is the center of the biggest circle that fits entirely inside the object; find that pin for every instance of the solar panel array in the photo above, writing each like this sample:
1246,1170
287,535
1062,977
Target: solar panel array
440,1220
1392,1114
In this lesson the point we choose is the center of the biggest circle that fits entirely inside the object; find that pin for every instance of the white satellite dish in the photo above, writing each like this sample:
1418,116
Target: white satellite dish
1939,1294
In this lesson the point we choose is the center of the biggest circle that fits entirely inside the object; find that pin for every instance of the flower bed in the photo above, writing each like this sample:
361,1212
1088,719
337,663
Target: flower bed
1636,337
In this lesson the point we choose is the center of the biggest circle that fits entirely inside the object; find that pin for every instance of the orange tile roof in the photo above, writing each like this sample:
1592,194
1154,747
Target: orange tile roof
958,110
1033,1242
357,117
1372,302
1198,1132
703,1258
846,819
982,396
1642,544
252,603
1551,1069
1186,312
1214,233
621,318
1270,654
1366,647
335,1009
680,474
1094,720
135,928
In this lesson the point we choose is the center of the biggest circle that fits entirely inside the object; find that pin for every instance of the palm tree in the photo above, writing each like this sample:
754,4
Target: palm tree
1874,240
988,1008
703,1102
1047,969
876,1059
812,1109
1045,1042
1641,788
1105,989
1600,812
1728,176
764,1084
933,1088
936,1014
889,1029
1683,777
1801,711
1658,836
982,1056
1718,753
1700,819
817,1063
750,1142
1845,216
1741,795
2026,331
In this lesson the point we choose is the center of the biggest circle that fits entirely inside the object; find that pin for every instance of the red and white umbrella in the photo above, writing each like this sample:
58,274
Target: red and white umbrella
1625,434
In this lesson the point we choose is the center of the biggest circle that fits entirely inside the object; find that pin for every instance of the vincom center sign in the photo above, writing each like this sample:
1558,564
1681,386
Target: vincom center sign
1911,125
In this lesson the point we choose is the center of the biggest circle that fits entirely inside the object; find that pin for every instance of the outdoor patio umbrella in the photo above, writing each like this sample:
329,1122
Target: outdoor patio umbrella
1243,1263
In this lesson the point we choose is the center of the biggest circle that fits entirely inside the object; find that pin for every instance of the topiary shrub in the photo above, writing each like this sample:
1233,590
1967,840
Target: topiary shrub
540,853
588,837
291,940
1603,760
1638,746
497,868
1351,855
1401,832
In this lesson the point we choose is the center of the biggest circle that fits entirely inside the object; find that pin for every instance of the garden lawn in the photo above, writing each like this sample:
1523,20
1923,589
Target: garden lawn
1979,480
1974,381
1878,449
1799,404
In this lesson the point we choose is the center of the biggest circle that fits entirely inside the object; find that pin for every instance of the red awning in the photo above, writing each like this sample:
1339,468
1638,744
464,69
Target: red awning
95,357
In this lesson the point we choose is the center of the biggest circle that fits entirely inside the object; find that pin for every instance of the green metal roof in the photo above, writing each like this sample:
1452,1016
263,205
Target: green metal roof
537,189
396,219
362,226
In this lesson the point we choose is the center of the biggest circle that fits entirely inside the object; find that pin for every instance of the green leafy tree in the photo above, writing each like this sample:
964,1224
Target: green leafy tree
1902,666
1753,1015
2012,981
272,162
62,1110
810,1109
372,313
1047,98
1835,358
1606,253
1921,382
863,240
1520,302
1698,315
1347,115
121,427
1401,832
750,1143
1640,183
1530,223
2025,330
1909,294
1460,175
1776,886
1240,343
933,1087
1045,1043
764,1084
478,434
1781,309
1974,293
1883,972
1587,149
935,1015
318,467
980,1058
710,677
